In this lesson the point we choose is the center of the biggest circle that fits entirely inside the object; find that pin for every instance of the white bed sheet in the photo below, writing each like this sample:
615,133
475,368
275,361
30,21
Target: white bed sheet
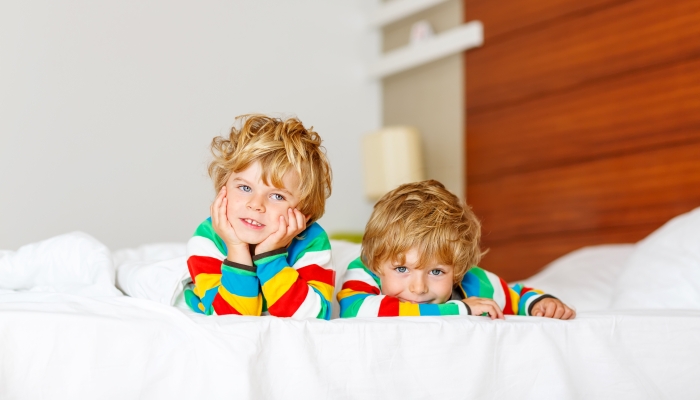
62,346
67,333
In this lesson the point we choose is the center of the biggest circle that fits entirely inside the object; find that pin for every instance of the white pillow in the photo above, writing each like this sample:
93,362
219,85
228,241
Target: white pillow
155,272
664,270
70,263
584,279
148,273
342,254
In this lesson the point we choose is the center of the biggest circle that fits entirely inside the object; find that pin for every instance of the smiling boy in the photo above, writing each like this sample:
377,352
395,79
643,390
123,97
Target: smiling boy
261,249
419,256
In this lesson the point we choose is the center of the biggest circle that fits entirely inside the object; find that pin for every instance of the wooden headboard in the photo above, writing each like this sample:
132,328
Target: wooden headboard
582,124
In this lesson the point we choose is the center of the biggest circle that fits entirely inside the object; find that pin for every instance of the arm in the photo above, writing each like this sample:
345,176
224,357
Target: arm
513,300
303,289
220,286
361,296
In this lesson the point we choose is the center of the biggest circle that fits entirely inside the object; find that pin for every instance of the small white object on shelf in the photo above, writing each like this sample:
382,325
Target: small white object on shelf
463,37
395,10
421,31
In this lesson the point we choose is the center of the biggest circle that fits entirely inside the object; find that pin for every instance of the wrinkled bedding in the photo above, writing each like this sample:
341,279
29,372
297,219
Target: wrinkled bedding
80,322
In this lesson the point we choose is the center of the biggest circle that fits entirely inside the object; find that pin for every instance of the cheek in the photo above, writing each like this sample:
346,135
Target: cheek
391,285
442,289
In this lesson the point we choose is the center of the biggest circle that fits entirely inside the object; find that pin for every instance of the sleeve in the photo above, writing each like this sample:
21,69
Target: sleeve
360,296
305,288
220,286
513,300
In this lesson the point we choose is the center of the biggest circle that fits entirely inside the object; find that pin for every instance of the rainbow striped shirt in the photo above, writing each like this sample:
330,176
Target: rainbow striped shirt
296,281
361,295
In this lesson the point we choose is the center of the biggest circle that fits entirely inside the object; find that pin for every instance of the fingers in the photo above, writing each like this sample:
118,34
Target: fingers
549,309
480,306
292,224
568,313
217,203
559,311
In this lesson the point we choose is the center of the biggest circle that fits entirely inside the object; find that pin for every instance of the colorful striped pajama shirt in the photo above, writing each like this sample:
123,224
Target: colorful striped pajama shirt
296,281
361,295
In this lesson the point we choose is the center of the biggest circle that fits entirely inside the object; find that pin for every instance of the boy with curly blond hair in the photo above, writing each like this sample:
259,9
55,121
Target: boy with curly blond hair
419,256
261,250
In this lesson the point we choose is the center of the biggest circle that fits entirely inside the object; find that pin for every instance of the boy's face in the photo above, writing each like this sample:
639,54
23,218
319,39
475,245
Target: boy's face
254,208
430,284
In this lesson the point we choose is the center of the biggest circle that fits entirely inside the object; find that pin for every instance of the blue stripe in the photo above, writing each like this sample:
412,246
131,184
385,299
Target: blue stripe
192,301
269,269
209,298
239,284
311,233
327,313
348,301
471,284
429,309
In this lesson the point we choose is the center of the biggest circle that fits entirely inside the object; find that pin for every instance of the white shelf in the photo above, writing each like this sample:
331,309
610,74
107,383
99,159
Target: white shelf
397,9
455,40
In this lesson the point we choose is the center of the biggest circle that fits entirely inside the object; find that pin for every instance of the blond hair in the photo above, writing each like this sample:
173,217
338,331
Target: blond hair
428,217
280,146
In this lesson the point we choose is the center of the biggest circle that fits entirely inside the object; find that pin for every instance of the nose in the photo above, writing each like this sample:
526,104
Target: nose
418,285
256,204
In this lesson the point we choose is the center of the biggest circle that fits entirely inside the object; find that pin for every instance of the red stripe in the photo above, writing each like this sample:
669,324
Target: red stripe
314,272
287,305
508,309
203,265
360,286
389,307
222,307
525,290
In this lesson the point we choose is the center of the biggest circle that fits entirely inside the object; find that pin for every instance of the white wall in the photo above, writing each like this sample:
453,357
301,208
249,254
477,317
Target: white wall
107,108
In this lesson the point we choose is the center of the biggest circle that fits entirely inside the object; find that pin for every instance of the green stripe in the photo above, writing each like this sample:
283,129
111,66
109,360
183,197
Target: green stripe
449,309
238,271
270,258
485,287
206,230
351,312
358,264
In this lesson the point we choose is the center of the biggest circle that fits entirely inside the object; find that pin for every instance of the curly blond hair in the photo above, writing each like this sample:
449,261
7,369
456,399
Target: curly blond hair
428,217
279,145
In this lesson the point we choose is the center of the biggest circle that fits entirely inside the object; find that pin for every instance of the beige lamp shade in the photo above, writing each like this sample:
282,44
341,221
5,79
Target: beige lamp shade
392,156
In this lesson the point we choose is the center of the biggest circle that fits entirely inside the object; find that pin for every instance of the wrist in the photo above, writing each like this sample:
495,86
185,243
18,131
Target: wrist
239,253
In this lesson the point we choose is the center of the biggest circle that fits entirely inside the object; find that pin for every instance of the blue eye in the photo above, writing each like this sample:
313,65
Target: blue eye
276,196
400,270
436,272
245,188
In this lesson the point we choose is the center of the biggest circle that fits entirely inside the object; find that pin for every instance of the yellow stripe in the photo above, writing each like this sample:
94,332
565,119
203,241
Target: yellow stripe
244,305
514,300
206,282
279,285
325,289
346,293
408,309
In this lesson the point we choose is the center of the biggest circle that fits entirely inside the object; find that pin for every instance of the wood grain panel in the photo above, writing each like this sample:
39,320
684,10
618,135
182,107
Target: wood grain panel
636,112
512,16
517,260
629,36
639,188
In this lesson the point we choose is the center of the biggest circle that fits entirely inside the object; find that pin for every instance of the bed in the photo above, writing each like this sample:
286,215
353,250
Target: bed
78,321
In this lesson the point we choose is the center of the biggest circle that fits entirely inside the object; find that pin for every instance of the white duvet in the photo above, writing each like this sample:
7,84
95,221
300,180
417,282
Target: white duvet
66,332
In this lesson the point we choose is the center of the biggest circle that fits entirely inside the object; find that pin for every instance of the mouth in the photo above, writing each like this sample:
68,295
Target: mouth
251,223
415,302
